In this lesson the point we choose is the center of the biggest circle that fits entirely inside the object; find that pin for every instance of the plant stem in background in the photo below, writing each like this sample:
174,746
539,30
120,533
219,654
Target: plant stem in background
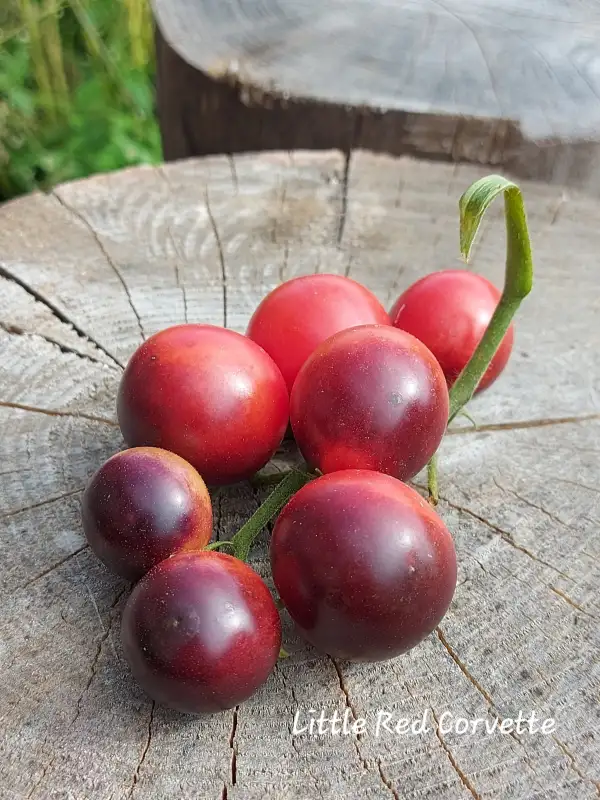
518,281
139,27
39,63
54,54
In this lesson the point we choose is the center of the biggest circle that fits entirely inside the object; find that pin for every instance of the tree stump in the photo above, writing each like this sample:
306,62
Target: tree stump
505,83
92,269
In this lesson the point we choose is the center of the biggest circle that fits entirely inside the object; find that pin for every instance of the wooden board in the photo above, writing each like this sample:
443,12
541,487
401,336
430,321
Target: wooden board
89,271
510,83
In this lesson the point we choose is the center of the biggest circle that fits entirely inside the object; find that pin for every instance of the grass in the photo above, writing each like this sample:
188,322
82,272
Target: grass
76,90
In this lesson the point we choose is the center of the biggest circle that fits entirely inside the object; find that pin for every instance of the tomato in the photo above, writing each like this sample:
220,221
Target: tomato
300,314
371,397
449,311
363,564
142,506
201,632
208,394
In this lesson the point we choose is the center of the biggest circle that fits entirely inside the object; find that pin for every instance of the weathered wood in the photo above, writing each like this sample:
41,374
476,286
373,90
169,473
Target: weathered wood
91,270
509,83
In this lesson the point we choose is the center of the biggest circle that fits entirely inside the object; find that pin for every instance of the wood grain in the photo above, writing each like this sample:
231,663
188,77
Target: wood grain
91,270
510,83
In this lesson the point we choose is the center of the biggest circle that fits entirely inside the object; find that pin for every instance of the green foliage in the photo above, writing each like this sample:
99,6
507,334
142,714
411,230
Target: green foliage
76,90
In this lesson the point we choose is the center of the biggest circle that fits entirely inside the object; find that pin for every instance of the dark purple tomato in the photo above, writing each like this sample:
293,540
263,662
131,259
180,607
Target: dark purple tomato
201,632
300,314
142,506
370,398
210,395
363,564
449,311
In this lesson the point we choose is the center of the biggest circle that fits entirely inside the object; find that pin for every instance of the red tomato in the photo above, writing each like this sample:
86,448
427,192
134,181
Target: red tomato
201,632
208,394
449,311
371,397
142,506
363,564
300,314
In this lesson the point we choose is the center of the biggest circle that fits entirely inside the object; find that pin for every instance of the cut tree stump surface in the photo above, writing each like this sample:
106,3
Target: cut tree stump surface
88,272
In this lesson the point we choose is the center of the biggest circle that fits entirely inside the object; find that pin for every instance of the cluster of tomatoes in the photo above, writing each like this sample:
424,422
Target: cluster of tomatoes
362,563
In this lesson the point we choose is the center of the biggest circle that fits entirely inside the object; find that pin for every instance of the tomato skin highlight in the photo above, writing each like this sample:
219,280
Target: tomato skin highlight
371,397
210,395
449,311
300,314
142,506
201,632
363,564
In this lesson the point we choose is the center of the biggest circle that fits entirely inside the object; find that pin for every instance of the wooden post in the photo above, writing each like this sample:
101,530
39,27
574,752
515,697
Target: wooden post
462,81
90,270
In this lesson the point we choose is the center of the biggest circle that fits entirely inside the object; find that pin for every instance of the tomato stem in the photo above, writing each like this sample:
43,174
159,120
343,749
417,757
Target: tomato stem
218,545
247,534
432,480
518,280
518,277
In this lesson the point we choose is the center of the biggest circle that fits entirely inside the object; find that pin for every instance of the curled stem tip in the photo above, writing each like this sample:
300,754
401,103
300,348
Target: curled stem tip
518,278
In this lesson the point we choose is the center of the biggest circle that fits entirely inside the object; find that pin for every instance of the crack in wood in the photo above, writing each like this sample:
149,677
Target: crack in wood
386,781
523,424
505,535
574,766
463,668
475,683
354,138
56,312
178,256
109,259
94,665
291,689
232,745
233,169
571,602
136,775
16,330
344,198
54,567
180,285
453,762
40,503
58,412
350,706
579,484
220,252
531,504
40,780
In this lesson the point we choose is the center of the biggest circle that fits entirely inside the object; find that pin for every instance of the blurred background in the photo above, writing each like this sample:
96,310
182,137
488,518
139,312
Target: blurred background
76,90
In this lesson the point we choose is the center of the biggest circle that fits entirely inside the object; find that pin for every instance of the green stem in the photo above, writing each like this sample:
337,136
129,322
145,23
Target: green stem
517,281
218,545
432,480
245,537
